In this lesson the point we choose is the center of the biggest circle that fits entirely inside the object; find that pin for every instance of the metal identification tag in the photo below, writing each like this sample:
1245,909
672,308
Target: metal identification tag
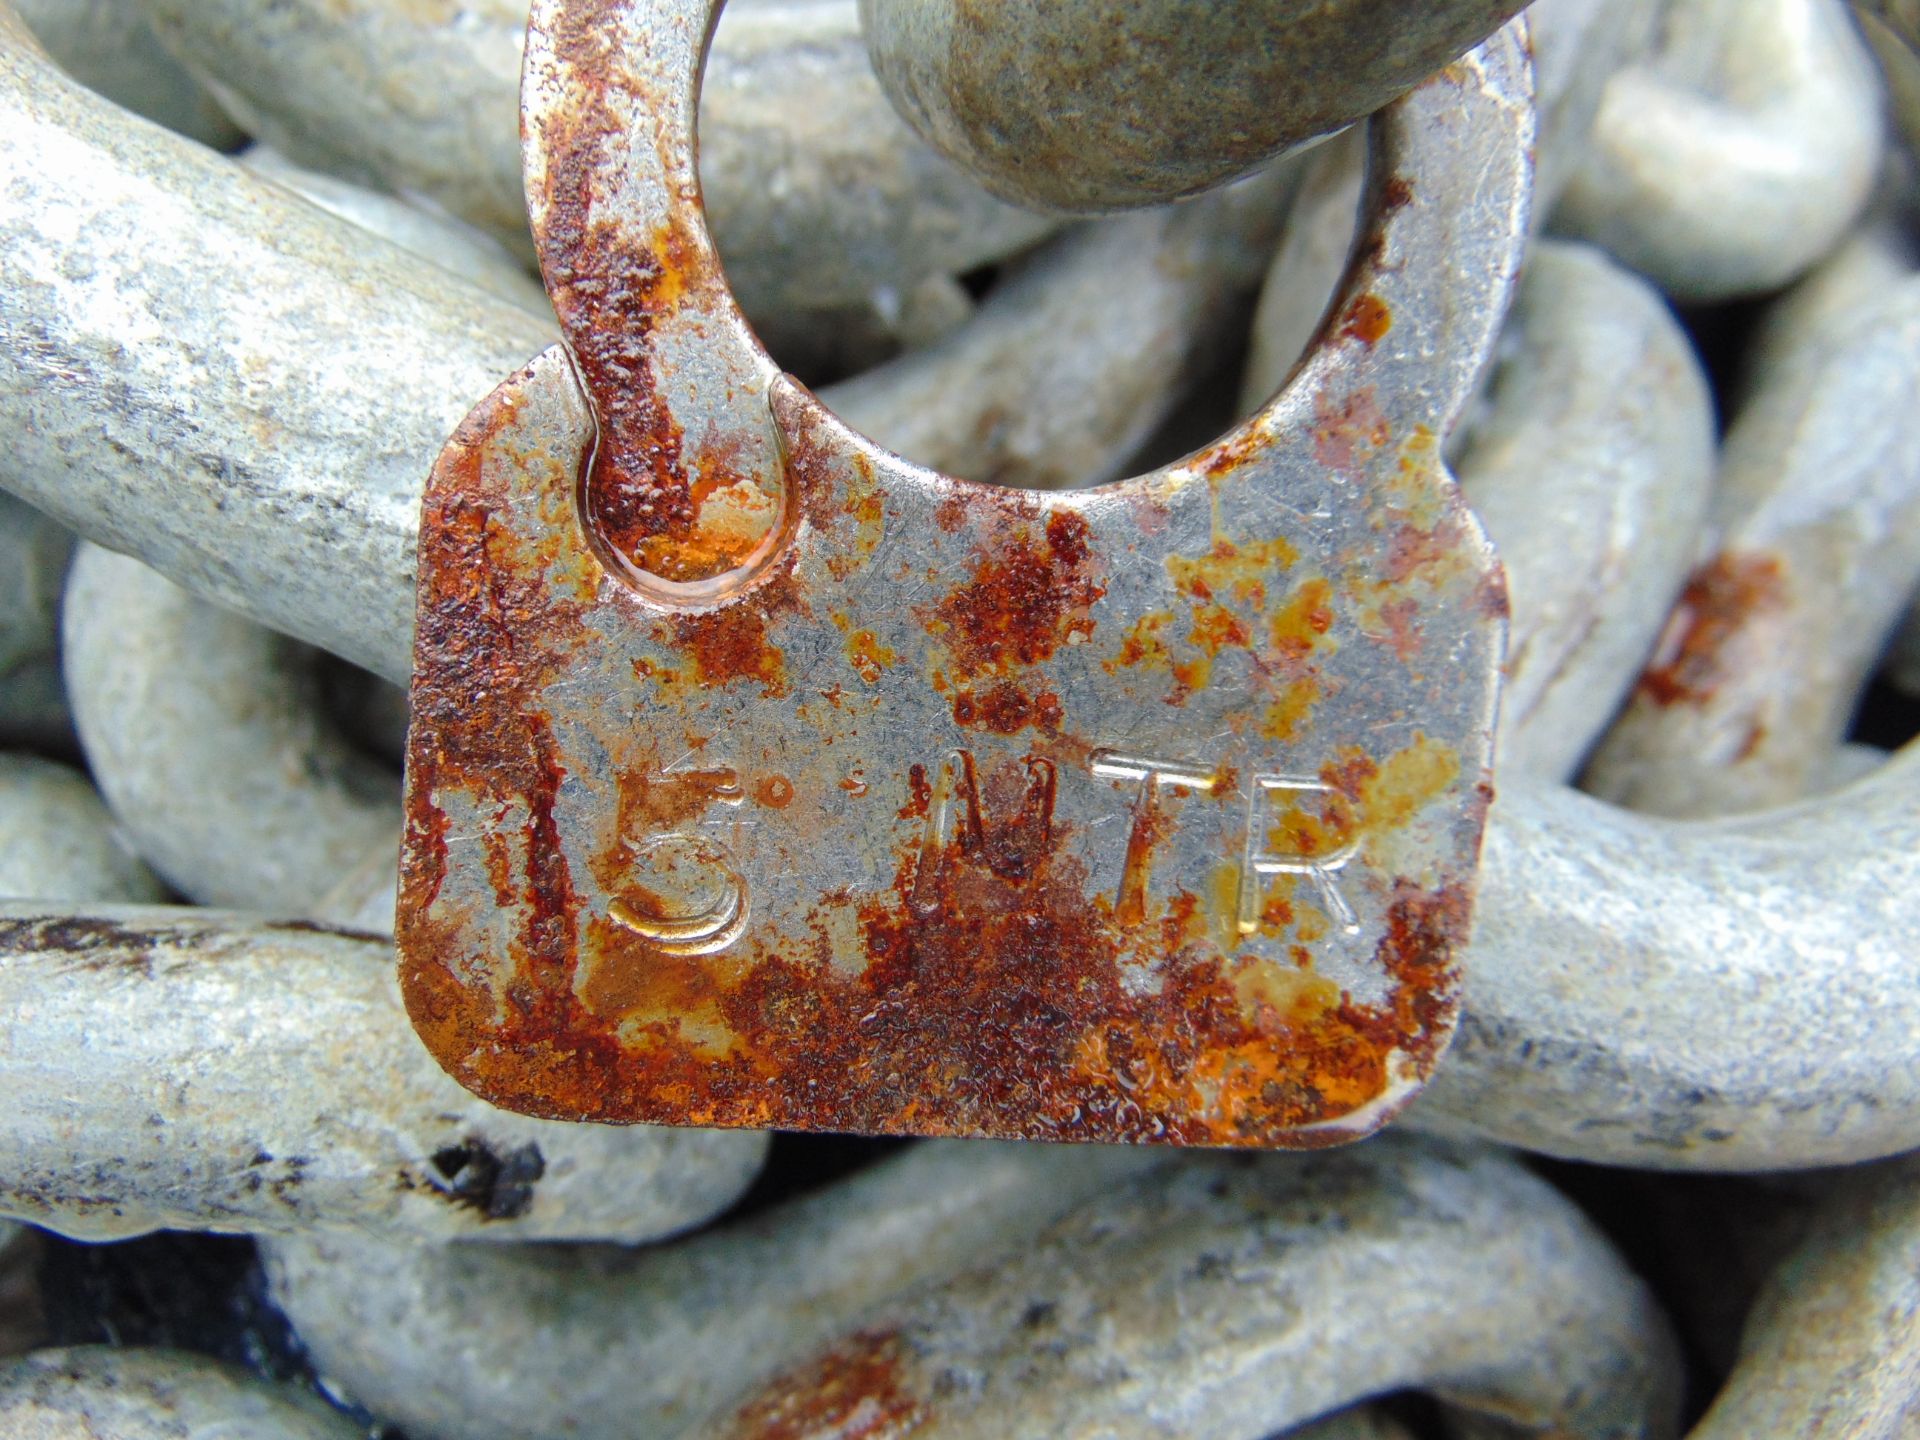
759,777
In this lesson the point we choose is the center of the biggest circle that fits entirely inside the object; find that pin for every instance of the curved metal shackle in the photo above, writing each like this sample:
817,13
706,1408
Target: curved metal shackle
759,777
680,384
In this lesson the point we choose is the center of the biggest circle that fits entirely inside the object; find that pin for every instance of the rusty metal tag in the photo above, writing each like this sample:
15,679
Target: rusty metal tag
761,778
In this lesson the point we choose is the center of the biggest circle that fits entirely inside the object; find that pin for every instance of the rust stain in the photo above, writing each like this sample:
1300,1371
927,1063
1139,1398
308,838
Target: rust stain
853,1392
993,980
1351,773
1229,587
838,493
650,801
1400,619
1314,825
1031,591
952,513
1411,549
732,644
1232,570
1227,455
1345,433
1214,628
654,673
869,658
774,791
1286,999
1143,644
1285,717
1364,798
669,989
1723,598
1007,709
1367,319
1490,597
977,980
1407,781
1301,625
678,516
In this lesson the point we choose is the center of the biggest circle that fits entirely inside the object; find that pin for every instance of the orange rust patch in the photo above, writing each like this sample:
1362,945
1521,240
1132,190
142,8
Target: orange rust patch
1028,595
1315,824
868,507
1151,824
1284,718
1280,999
1006,709
1145,647
679,517
1215,628
731,644
868,657
1724,596
1367,320
830,487
1232,570
1230,585
1144,644
1365,799
669,989
1228,454
1300,625
1354,770
1067,536
661,675
853,1392
651,803
991,1001
774,791
919,794
1407,781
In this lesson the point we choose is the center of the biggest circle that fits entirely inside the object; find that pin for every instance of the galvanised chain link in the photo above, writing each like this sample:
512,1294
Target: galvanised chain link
242,328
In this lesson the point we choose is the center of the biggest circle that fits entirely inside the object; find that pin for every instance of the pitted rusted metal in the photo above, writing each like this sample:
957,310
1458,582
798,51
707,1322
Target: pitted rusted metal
759,777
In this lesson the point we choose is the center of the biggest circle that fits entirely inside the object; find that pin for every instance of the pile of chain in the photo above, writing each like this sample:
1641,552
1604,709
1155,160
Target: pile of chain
258,260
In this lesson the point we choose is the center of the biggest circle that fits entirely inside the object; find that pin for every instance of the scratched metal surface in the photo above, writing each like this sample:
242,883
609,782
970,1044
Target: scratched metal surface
759,777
